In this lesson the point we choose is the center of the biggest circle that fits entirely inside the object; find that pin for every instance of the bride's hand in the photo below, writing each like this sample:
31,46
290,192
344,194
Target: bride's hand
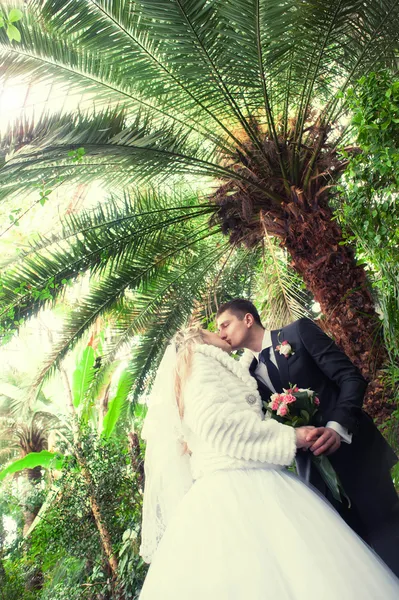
301,434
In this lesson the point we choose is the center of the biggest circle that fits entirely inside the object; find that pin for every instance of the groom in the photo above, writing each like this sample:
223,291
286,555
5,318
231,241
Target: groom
360,455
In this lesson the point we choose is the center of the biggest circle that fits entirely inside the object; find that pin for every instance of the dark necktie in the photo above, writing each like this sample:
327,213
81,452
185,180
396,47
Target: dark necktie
272,370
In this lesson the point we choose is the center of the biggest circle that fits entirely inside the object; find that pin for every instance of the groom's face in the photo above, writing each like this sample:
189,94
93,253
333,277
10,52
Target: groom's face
234,329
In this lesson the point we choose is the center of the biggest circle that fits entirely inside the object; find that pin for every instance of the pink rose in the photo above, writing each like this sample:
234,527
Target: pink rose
316,401
275,401
289,398
282,410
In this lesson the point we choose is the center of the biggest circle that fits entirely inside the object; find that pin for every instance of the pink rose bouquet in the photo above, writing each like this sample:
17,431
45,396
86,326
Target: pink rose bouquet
297,407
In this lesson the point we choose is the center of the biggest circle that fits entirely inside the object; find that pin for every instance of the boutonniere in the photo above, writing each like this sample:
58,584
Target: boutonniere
285,349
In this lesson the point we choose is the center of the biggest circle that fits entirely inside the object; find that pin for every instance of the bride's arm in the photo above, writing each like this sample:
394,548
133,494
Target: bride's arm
228,423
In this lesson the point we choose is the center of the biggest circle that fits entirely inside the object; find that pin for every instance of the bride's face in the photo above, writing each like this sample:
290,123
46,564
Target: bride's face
214,340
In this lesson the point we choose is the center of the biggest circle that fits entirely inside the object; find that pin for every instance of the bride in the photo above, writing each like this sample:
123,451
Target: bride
223,519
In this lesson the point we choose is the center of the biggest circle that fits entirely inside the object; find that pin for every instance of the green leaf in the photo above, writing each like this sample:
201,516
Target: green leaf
15,15
329,475
83,376
118,405
13,33
1,22
140,410
45,459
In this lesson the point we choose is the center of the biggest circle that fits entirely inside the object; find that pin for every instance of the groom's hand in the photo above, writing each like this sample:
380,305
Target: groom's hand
323,440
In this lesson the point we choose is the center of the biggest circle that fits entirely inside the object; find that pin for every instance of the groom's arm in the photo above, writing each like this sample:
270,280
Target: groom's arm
337,367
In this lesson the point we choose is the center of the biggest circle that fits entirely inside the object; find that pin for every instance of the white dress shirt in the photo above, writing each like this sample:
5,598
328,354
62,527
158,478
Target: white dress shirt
262,373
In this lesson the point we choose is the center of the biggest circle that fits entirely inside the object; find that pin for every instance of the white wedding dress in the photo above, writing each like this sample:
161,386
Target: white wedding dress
247,529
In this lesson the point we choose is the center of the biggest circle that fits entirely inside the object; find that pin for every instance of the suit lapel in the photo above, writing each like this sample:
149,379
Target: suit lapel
282,362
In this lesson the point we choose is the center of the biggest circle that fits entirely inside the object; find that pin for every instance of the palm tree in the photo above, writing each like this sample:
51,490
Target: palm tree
25,428
233,111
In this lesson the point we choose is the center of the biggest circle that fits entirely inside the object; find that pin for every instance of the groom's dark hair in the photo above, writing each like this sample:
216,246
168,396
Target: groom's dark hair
240,307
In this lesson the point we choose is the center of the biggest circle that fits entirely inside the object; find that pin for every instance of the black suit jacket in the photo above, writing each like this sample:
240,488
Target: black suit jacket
318,364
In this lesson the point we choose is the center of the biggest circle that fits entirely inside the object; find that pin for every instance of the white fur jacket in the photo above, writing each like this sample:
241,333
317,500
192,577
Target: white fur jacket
222,408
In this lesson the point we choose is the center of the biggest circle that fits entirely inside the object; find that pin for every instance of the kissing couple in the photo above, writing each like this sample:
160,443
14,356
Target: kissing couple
223,517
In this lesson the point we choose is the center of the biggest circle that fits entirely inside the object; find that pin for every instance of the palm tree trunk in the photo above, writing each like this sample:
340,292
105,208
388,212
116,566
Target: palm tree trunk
34,476
329,270
101,526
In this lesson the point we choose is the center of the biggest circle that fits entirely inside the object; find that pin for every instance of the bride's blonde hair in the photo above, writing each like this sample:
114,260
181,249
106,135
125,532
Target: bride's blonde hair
184,341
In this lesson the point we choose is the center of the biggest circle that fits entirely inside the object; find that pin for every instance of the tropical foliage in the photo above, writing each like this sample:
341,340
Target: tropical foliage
104,509
65,546
370,212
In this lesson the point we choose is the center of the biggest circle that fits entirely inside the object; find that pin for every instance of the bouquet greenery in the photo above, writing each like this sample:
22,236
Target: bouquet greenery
297,407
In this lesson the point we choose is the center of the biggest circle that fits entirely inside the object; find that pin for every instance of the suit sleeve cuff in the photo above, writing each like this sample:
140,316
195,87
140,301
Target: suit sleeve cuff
342,431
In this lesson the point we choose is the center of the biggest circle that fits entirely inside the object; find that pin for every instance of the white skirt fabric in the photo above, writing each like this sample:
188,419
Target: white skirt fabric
262,535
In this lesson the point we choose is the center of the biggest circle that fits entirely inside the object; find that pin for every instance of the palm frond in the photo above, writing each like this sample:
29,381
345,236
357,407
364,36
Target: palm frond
129,251
209,281
192,276
121,246
235,275
215,69
107,52
281,298
156,61
116,154
27,137
143,273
